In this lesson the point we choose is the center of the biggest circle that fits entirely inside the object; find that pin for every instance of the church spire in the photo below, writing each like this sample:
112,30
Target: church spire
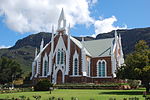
62,15
62,20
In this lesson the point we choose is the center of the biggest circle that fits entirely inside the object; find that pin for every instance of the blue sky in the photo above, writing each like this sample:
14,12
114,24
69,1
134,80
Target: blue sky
117,13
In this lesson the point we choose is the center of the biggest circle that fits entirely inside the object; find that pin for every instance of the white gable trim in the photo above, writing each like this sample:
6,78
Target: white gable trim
60,45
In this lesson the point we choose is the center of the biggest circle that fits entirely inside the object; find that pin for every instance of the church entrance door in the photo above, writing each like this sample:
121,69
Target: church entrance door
59,77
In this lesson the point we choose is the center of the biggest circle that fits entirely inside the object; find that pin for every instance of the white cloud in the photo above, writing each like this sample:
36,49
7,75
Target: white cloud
3,46
106,25
38,15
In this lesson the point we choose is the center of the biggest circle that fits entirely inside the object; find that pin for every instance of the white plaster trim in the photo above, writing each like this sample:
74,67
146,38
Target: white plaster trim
60,45
89,66
45,58
56,71
42,76
74,57
75,75
102,77
67,63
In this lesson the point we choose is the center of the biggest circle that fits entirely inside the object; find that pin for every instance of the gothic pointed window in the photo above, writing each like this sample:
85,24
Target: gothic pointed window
45,67
62,57
101,69
58,57
75,66
103,65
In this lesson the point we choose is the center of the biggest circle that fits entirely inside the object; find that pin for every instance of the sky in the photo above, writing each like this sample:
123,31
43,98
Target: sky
20,18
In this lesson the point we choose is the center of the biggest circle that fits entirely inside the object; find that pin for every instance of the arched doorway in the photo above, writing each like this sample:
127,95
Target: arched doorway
59,77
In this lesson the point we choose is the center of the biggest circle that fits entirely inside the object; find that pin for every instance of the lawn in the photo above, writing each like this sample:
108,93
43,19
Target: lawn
81,94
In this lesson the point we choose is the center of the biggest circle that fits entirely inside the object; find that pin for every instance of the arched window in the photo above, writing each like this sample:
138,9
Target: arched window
45,67
58,57
62,57
101,69
88,68
75,66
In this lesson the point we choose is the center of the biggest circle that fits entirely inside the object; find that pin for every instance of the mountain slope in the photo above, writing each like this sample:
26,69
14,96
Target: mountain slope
129,37
23,50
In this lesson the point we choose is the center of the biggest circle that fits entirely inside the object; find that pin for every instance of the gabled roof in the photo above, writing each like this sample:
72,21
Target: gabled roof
79,44
96,48
99,48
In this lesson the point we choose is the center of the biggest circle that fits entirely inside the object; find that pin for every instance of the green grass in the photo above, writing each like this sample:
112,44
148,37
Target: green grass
82,94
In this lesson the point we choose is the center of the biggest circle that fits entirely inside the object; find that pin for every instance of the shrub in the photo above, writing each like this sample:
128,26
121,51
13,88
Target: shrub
43,85
134,83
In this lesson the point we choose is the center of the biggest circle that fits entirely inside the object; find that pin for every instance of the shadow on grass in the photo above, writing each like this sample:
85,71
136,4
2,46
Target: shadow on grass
123,93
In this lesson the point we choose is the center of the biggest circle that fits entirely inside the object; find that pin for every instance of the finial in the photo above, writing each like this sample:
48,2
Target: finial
115,33
62,15
69,29
62,20
82,39
119,35
35,52
52,29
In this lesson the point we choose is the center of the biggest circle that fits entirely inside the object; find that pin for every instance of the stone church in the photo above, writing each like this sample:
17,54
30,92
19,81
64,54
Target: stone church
67,60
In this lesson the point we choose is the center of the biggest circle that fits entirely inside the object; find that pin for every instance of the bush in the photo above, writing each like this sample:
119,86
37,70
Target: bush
43,85
134,83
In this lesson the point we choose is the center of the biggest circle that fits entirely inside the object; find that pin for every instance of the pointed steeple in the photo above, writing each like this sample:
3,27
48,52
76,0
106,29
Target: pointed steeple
62,15
62,20
42,45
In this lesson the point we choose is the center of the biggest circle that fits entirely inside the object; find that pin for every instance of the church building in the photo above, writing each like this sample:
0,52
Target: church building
67,60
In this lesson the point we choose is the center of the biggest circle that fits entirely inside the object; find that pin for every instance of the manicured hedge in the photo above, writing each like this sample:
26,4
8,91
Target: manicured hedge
89,86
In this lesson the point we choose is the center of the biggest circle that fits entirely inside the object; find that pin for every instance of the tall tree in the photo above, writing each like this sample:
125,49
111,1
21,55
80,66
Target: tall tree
9,69
137,65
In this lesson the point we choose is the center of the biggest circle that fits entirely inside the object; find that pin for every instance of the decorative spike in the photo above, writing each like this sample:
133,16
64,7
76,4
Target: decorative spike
62,20
115,33
62,15
69,30
52,32
42,44
35,52
82,39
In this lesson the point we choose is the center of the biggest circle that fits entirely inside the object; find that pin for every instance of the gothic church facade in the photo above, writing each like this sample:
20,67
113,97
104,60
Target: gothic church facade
66,60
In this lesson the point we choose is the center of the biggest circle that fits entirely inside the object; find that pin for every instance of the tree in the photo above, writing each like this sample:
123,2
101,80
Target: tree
137,65
9,70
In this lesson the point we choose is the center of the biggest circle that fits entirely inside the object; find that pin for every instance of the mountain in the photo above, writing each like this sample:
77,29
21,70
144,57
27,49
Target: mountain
129,37
23,50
